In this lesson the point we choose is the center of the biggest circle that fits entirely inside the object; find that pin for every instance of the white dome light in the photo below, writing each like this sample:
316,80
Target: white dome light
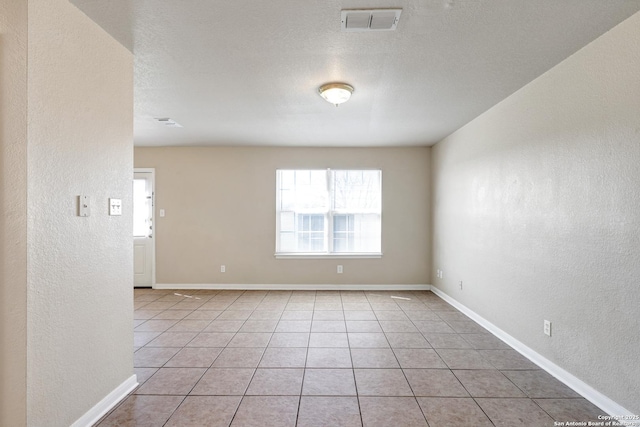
336,93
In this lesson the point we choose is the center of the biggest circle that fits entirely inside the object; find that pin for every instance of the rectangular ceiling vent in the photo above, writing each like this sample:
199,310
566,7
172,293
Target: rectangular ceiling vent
167,122
370,19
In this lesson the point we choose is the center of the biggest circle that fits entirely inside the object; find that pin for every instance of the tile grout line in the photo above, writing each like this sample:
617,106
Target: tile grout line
235,412
353,369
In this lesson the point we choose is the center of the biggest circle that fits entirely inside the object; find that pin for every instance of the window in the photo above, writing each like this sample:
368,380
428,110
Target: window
328,212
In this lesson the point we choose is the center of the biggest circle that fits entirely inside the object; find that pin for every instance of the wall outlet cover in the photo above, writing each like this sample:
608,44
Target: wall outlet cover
84,206
547,328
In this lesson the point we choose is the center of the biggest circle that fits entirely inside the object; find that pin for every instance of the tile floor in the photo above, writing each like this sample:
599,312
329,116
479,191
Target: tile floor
329,358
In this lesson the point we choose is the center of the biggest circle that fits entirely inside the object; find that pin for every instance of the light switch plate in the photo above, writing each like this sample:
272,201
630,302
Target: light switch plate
547,328
84,207
115,206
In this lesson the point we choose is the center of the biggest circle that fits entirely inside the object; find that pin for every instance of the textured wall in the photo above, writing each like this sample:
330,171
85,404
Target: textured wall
13,216
536,210
220,209
80,282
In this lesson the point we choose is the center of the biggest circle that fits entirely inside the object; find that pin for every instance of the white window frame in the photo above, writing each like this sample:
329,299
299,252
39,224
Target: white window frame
329,218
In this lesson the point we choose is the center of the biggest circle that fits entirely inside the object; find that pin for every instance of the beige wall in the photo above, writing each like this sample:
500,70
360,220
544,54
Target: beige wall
220,209
66,296
13,218
536,210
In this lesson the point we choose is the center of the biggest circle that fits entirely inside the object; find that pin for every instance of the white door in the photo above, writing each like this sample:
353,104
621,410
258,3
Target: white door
143,246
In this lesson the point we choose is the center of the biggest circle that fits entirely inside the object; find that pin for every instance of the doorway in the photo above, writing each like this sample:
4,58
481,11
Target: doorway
143,227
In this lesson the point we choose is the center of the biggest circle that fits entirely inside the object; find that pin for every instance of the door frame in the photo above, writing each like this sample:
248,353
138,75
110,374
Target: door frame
152,171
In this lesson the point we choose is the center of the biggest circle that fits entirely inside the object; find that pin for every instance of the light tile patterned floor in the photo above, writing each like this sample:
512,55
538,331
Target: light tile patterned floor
329,358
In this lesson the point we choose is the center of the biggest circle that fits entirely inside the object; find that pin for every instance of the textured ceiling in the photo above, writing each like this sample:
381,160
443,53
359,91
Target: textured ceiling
246,72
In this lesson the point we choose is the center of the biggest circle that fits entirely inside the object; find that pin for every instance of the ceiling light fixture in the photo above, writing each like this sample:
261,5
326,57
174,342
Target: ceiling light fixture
336,93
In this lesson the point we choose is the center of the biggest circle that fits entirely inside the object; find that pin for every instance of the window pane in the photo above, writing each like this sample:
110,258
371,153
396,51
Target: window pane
343,233
357,233
366,233
287,199
287,222
357,190
303,190
287,179
317,222
311,233
287,242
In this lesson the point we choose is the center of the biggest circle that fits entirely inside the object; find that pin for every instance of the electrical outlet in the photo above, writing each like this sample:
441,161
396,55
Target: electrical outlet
339,269
223,269
547,328
460,284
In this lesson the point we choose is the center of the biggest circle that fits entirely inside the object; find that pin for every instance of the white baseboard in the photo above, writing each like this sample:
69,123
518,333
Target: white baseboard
579,386
294,287
106,404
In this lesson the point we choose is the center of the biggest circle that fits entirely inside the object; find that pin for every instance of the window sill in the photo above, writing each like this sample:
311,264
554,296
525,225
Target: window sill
328,256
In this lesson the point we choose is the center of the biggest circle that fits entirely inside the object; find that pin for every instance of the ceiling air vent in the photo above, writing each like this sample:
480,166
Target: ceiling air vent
167,122
370,19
